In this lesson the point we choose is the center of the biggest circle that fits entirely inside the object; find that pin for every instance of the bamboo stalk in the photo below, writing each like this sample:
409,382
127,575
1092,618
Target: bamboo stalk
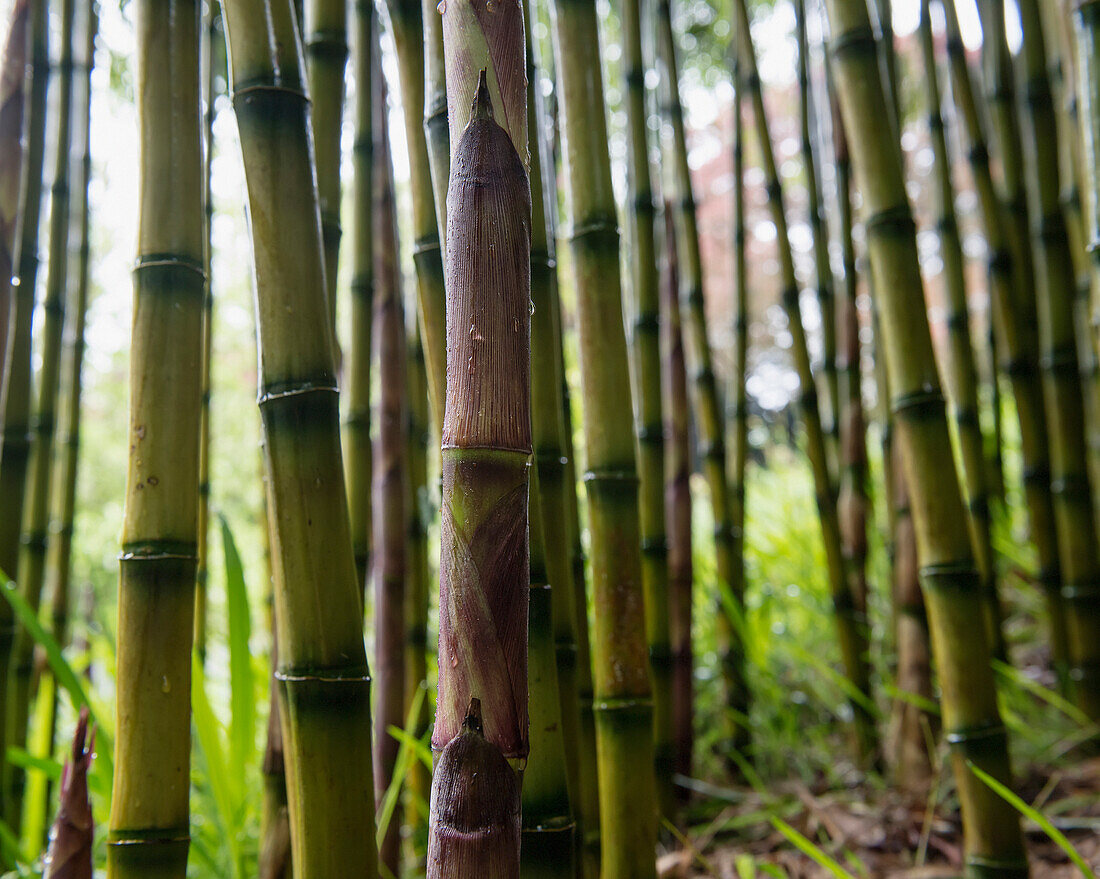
148,830
648,416
435,123
274,856
994,843
484,565
34,539
212,29
1018,341
960,374
390,486
850,615
13,92
325,43
323,672
357,421
1073,510
548,844
407,24
730,610
823,275
678,504
547,432
622,703
1086,17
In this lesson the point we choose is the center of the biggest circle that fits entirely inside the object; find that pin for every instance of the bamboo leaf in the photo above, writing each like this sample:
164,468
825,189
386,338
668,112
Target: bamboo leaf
242,725
401,766
1056,836
1055,700
808,848
209,733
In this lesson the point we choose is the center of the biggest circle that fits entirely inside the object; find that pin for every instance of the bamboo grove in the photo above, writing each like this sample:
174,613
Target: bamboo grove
512,479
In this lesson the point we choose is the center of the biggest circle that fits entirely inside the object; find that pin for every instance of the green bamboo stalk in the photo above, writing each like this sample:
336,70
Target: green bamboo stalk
730,609
648,417
13,90
547,844
1018,341
274,856
357,441
34,539
323,672
325,42
484,565
390,486
823,275
422,511
960,373
678,501
435,113
994,843
1086,17
850,615
1073,510
622,704
59,557
548,431
407,27
148,830
212,31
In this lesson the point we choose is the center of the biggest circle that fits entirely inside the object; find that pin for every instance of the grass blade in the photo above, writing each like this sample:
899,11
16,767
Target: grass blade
808,848
242,723
1056,835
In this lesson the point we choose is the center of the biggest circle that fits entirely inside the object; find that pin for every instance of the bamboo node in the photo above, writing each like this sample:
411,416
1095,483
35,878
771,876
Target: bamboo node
992,868
961,576
860,39
897,220
925,403
169,261
282,391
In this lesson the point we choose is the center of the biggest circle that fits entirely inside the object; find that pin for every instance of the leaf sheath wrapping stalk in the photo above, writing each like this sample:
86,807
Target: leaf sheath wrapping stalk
486,441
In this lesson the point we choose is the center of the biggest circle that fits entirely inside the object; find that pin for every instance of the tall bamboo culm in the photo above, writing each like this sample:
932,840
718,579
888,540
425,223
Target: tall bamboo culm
325,38
1018,341
148,831
35,537
408,28
850,614
622,700
994,843
678,506
648,411
548,432
959,370
435,112
357,420
322,672
211,52
1062,393
823,275
13,93
484,583
1086,20
390,486
15,449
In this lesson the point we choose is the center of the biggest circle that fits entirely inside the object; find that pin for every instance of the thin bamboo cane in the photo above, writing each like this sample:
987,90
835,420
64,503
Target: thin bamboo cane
1087,30
274,856
484,565
148,830
357,421
548,844
407,24
1018,341
823,276
34,539
322,673
417,585
390,486
648,416
730,608
850,616
435,113
325,41
1073,510
960,374
622,704
59,558
678,505
212,31
13,91
994,843
548,429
